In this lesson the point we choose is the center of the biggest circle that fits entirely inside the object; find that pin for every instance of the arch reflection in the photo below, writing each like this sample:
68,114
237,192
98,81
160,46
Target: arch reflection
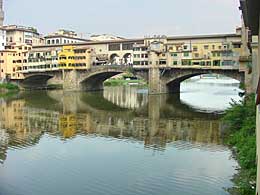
156,121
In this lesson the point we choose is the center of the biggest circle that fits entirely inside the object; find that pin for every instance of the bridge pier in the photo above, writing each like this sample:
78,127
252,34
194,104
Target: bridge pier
156,84
70,80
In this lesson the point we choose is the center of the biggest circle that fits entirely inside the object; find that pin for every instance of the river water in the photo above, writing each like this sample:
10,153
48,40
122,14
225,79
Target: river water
117,142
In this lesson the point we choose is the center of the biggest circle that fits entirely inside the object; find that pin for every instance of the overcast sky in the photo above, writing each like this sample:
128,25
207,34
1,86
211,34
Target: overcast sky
128,18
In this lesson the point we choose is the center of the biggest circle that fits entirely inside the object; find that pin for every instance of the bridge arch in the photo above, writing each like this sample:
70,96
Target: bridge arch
173,83
36,81
93,80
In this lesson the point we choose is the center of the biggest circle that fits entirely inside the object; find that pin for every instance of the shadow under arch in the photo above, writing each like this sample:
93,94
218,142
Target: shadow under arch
94,82
36,81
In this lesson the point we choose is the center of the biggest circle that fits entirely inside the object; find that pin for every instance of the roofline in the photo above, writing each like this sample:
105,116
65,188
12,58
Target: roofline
141,40
203,36
64,36
5,28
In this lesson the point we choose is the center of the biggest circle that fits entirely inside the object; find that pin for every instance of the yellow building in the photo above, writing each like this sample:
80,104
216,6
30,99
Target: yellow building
12,60
72,57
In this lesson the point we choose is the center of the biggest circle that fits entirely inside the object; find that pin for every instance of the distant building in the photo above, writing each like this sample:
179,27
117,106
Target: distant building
2,38
62,37
105,37
22,35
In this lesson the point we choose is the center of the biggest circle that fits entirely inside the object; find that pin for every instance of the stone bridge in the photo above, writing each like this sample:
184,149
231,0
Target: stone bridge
168,79
161,79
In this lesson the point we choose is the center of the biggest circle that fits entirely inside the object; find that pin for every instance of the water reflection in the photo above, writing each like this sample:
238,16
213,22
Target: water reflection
42,129
163,120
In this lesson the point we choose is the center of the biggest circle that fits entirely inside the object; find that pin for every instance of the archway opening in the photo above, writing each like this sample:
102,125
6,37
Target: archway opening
96,81
207,92
128,59
36,81
114,59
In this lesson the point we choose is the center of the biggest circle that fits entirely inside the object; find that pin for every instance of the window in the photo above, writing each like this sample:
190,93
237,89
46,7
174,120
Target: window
127,46
137,63
114,47
186,54
237,45
174,54
175,62
206,47
57,41
195,48
185,47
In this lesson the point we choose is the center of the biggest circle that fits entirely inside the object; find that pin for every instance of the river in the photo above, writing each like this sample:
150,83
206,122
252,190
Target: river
117,142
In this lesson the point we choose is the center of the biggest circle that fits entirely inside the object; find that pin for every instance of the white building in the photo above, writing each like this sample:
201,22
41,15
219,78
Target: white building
105,37
63,37
2,38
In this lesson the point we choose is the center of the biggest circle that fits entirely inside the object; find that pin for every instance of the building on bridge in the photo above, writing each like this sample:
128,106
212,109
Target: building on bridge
12,61
72,57
58,58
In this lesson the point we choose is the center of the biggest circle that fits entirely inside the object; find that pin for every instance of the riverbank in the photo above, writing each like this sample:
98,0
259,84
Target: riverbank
240,135
7,90
123,82
8,87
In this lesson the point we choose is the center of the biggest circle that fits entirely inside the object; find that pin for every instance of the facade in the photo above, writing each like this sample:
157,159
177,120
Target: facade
140,54
22,35
12,60
63,37
2,38
213,50
42,60
251,15
58,58
72,57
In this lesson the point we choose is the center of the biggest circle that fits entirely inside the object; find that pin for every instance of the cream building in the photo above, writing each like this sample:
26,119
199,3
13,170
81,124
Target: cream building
63,37
22,35
2,38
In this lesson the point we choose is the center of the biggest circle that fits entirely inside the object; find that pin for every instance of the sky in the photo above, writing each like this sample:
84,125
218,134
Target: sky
126,18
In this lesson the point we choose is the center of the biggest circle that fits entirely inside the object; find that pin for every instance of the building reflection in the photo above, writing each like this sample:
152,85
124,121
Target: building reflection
22,122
